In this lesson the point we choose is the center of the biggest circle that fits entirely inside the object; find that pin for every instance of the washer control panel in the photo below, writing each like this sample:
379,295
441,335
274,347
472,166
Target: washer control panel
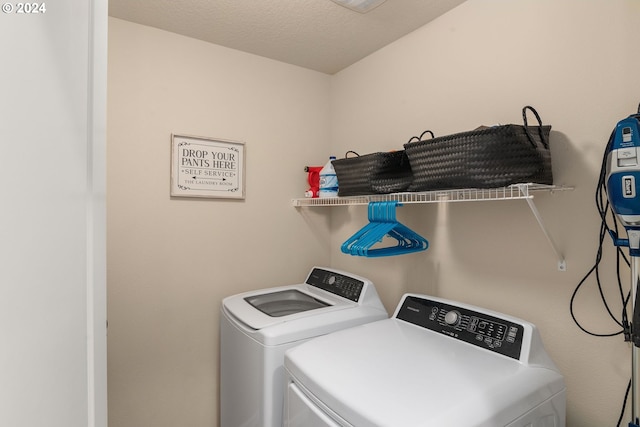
473,327
339,284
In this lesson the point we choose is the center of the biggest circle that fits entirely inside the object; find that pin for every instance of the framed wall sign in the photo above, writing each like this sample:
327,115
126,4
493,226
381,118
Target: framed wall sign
205,167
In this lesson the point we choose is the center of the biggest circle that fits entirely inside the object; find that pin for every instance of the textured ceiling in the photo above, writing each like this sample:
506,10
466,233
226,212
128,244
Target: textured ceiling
315,34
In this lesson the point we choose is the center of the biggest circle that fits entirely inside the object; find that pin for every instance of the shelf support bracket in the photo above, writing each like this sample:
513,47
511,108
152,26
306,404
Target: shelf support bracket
562,265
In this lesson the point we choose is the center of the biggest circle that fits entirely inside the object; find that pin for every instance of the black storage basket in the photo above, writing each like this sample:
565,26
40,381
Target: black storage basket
376,173
483,158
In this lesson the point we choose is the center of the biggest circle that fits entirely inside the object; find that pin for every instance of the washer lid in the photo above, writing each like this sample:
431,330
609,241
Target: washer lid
392,372
284,303
325,291
258,310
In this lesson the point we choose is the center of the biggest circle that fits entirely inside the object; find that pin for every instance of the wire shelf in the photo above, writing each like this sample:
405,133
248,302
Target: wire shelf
512,192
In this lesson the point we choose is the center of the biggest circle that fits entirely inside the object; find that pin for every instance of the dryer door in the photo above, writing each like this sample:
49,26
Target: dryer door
300,411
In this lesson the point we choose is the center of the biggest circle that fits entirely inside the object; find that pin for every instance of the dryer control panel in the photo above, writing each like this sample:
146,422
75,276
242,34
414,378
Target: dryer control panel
339,284
473,327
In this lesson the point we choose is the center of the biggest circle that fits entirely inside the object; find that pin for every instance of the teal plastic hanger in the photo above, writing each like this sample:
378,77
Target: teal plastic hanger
383,225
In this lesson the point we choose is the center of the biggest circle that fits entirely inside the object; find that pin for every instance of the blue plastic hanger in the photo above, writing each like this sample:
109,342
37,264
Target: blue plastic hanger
382,221
383,224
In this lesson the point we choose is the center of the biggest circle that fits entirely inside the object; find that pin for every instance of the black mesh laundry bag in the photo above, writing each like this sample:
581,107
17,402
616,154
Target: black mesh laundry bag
487,157
375,173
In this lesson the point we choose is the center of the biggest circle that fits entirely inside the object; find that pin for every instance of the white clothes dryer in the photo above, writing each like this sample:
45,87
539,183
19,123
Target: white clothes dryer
435,363
256,328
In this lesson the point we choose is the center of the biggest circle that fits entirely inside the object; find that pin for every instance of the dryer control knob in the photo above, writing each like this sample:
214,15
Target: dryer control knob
452,318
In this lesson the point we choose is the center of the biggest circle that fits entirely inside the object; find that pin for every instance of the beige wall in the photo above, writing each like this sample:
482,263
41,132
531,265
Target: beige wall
479,64
171,261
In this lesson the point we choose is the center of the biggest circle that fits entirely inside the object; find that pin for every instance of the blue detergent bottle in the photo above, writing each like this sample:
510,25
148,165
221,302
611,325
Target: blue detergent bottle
328,180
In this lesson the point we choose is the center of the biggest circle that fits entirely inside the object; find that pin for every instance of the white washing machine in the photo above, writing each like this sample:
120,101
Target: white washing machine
256,328
435,363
